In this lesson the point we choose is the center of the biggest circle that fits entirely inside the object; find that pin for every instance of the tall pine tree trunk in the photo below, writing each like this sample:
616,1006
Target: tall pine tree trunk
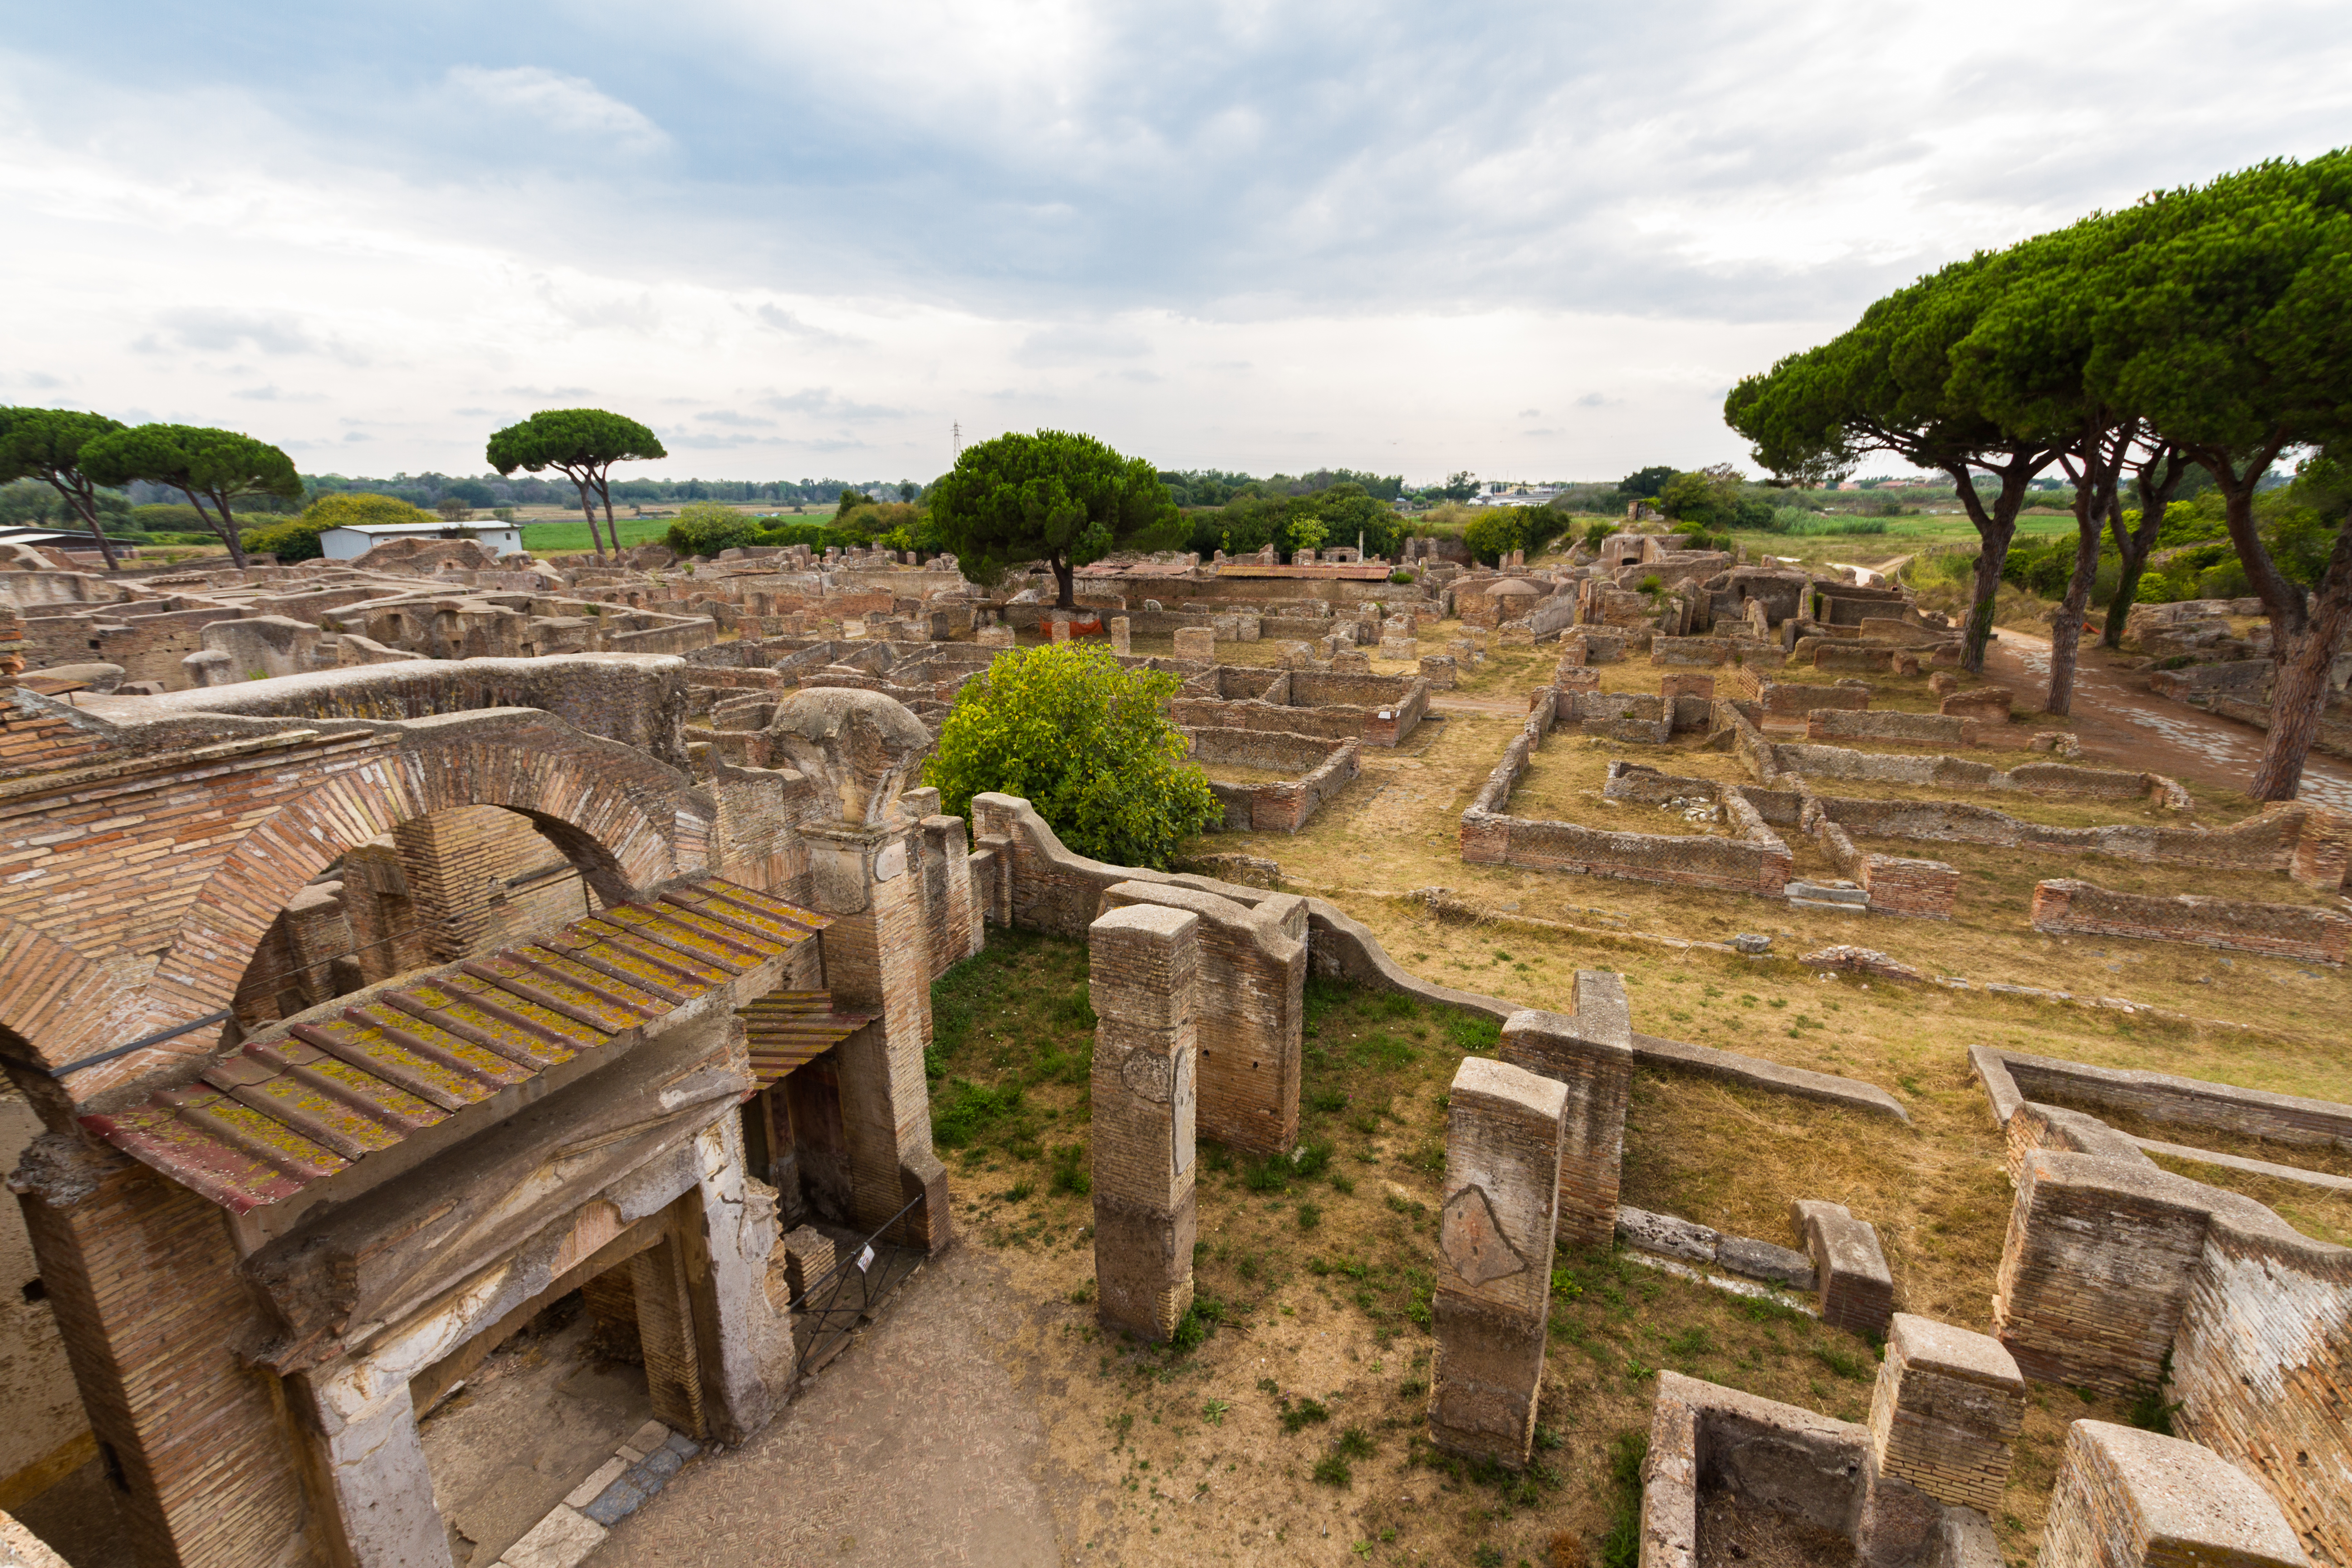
1991,558
2299,696
2066,630
1066,575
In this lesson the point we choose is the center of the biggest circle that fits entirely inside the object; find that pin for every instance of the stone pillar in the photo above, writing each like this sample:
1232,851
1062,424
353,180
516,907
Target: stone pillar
1946,1412
859,749
955,923
1145,976
1058,629
1857,1289
1196,642
1118,640
1590,1053
876,960
1503,1140
2096,1268
2129,1499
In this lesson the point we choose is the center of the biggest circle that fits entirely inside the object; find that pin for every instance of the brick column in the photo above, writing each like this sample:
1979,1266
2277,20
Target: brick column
1145,979
2096,1269
1504,1132
876,960
1590,1053
666,1332
947,872
2129,1499
1948,1407
143,1276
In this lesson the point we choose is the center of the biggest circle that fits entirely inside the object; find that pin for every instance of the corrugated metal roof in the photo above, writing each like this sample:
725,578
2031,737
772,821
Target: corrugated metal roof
791,1028
302,1102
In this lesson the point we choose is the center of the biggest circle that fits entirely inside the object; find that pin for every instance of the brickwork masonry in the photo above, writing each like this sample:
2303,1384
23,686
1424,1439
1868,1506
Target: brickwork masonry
2111,1263
2278,930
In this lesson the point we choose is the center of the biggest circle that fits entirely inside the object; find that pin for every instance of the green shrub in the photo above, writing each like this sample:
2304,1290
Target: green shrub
297,537
1071,1173
1298,1416
1401,575
1087,742
1331,1470
706,528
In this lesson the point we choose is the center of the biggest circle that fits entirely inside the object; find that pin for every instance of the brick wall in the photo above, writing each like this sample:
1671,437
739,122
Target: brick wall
1251,1006
1324,767
1923,729
2281,931
150,889
1589,1052
145,1280
2111,1263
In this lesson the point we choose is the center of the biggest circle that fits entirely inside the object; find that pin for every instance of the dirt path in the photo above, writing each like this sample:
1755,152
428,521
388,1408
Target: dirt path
2121,722
912,1450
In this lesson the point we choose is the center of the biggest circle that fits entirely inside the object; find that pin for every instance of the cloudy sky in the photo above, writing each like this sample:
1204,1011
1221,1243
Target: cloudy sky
1528,239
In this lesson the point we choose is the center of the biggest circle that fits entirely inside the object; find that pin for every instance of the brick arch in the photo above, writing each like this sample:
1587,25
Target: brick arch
628,822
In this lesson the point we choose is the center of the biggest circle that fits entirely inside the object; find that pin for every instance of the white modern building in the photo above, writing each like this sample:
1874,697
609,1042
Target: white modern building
352,540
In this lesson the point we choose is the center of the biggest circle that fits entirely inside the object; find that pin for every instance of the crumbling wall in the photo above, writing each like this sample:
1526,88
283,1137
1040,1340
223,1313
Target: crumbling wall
1324,768
2113,1267
2281,931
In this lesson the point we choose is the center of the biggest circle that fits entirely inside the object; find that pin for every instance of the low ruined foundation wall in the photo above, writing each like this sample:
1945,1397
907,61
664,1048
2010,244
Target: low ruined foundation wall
1928,729
1756,861
2277,840
2011,1077
1325,768
2280,931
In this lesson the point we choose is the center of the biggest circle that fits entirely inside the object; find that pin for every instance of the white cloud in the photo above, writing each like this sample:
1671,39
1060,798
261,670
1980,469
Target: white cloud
568,105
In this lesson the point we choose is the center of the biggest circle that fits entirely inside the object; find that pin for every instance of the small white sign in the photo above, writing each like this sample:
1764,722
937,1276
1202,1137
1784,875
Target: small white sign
865,1260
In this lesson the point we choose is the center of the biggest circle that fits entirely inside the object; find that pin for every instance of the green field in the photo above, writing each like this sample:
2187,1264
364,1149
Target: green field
571,536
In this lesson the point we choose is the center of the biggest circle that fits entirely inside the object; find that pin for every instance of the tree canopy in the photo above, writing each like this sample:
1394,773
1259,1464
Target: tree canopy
1055,496
46,444
1086,741
2210,325
204,464
581,443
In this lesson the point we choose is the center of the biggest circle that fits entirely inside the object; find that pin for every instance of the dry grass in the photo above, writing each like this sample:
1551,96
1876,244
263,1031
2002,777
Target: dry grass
1327,1312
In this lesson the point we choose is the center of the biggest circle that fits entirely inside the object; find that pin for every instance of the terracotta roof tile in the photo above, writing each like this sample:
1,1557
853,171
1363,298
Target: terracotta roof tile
302,1102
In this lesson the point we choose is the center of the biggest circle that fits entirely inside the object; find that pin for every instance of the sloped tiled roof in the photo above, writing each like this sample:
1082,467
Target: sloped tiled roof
791,1028
301,1102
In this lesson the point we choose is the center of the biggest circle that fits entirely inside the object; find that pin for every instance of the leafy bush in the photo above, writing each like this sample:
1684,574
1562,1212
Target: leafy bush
964,1111
1401,575
298,539
1084,740
1498,531
1332,1471
1304,1413
706,528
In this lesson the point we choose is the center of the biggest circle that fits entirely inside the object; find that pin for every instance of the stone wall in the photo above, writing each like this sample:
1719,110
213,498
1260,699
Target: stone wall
2305,842
1923,728
1324,769
2281,931
2111,1265
1250,1009
1144,975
